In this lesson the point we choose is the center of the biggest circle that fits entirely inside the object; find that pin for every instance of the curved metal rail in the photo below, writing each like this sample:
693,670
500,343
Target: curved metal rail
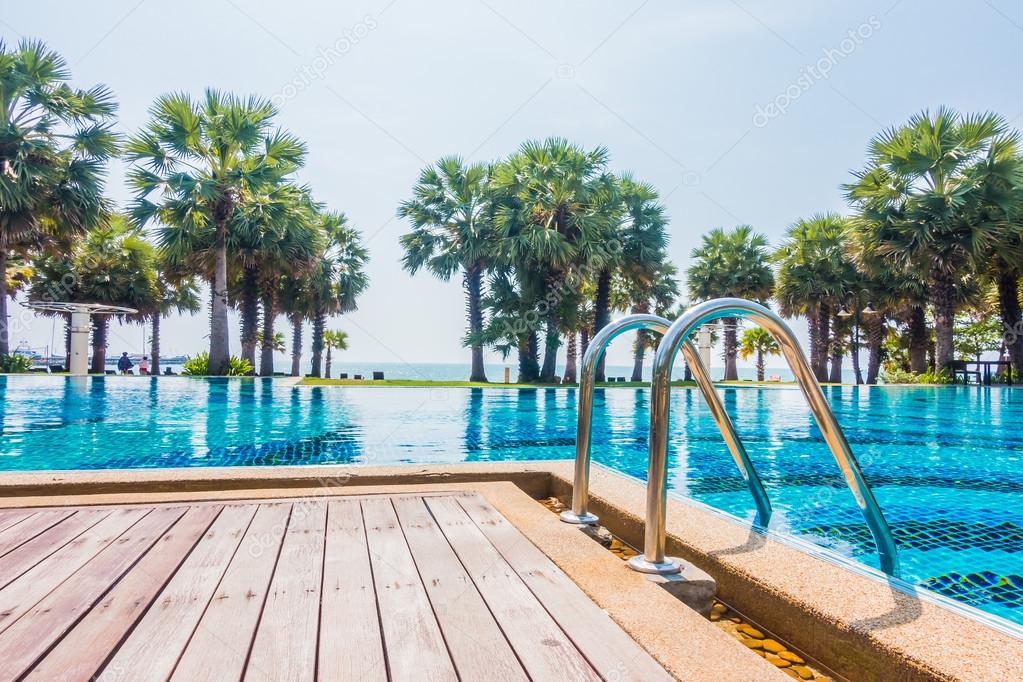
580,489
653,560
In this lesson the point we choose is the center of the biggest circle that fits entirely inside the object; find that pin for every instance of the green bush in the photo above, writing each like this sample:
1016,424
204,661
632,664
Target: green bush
940,376
894,375
15,364
199,365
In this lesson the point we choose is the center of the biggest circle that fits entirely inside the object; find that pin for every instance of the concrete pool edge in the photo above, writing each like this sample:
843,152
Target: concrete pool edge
853,623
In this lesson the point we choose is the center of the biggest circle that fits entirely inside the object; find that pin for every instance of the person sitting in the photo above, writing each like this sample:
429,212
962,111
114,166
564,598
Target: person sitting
144,366
124,364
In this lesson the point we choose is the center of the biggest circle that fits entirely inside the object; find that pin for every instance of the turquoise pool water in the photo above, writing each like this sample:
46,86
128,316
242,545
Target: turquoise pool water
946,464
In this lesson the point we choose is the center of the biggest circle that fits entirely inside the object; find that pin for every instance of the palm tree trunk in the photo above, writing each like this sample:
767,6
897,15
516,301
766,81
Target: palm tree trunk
473,283
811,328
319,324
5,342
760,365
918,340
100,325
639,345
571,353
875,340
823,334
638,356
326,370
220,351
836,353
266,355
601,315
550,351
296,346
943,298
731,344
249,314
854,351
1008,303
154,349
584,341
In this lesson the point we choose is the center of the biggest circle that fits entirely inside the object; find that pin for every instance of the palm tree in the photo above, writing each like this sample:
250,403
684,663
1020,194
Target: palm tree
885,292
331,340
556,213
924,192
758,341
114,265
296,303
176,294
54,140
194,164
338,278
731,263
814,276
452,229
288,252
646,276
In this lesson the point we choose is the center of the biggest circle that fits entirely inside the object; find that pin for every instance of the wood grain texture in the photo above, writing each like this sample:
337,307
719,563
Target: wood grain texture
153,648
285,645
412,637
238,602
83,650
376,587
32,634
477,645
351,645
544,649
604,644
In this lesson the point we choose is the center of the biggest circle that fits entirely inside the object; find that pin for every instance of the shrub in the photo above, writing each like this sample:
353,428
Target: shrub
15,364
894,375
940,376
199,365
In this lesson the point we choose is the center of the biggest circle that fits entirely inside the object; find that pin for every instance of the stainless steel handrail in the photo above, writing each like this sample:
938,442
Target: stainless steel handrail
653,559
580,513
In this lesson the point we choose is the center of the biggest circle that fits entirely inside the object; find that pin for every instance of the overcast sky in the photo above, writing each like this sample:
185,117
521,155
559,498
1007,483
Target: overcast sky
737,111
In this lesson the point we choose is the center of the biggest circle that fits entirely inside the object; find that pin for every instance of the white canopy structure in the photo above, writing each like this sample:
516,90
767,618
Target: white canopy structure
81,314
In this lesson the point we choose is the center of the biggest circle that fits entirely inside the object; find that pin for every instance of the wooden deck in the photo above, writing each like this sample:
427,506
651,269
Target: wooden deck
437,587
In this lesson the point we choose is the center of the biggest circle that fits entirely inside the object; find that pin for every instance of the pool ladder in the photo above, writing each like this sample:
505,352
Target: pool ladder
676,337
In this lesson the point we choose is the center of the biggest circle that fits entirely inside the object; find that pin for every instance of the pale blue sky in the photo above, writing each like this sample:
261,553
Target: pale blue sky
678,91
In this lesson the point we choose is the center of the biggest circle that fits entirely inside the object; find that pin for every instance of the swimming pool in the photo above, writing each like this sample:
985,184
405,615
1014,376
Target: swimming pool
946,464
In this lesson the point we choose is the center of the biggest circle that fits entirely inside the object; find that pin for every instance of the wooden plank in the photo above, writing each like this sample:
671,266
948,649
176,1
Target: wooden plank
238,603
285,643
351,645
11,517
25,592
412,638
153,648
34,633
83,650
477,646
284,647
30,529
545,651
606,646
